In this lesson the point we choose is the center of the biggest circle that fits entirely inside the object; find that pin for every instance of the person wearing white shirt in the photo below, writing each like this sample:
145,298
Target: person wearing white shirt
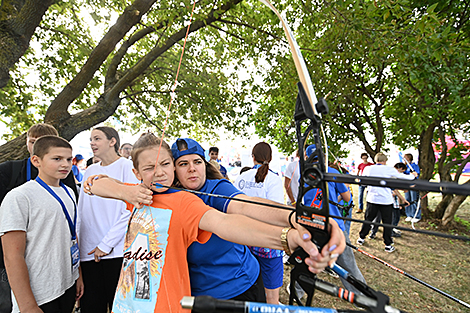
291,181
380,199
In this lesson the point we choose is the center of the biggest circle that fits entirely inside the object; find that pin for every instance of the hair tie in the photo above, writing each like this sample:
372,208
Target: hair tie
265,162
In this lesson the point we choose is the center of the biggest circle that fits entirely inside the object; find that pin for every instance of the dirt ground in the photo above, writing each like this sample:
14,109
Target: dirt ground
441,262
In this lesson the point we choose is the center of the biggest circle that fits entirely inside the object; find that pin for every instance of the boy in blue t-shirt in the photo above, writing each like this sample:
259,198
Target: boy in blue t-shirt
37,228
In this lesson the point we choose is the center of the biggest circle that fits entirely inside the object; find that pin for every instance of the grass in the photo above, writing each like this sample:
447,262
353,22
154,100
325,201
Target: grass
440,262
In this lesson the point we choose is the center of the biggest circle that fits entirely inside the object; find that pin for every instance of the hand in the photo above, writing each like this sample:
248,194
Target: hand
138,195
98,254
406,203
80,288
317,262
414,174
89,182
330,252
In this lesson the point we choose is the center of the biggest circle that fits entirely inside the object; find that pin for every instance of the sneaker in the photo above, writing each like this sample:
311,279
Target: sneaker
408,219
389,249
360,241
396,231
415,220
394,234
372,236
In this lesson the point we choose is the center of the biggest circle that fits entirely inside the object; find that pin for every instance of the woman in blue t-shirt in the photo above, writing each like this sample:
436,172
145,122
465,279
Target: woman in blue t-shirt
220,268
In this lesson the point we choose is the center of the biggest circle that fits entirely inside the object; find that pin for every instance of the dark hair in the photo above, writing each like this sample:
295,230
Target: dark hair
41,129
244,169
89,162
410,156
400,165
263,154
215,149
145,142
111,133
126,144
42,146
364,154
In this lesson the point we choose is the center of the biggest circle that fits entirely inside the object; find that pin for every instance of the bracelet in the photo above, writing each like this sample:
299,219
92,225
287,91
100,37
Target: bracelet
290,218
284,242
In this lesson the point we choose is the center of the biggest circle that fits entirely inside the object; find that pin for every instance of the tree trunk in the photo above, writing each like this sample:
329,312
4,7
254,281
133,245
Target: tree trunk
452,208
18,21
441,207
426,160
14,149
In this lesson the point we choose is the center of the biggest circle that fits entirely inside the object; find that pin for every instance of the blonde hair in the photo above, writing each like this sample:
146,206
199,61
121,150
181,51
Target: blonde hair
215,163
380,157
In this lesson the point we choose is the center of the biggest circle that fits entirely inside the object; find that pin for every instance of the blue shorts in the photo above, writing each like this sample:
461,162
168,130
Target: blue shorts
272,271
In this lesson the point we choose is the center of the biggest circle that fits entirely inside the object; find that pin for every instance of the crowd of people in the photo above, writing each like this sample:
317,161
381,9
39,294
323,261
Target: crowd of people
121,239
114,233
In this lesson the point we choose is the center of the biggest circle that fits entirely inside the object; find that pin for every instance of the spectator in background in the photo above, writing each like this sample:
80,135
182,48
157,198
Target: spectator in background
102,224
214,155
380,199
77,165
92,160
125,150
291,181
314,198
264,183
360,169
397,200
413,213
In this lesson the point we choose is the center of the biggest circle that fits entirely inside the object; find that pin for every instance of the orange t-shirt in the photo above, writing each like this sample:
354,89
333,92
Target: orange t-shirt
154,276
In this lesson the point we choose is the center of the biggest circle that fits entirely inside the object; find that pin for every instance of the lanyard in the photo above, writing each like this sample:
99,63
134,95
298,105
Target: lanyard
28,170
64,209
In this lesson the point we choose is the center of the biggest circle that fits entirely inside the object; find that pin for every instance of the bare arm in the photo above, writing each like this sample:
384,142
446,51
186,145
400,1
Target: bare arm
279,217
401,199
289,189
346,196
106,187
14,244
243,230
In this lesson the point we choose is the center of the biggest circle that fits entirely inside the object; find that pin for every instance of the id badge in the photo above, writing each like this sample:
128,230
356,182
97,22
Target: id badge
75,255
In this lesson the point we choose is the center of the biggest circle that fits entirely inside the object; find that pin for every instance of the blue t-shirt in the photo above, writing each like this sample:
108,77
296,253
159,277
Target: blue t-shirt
220,268
334,191
415,168
76,173
223,170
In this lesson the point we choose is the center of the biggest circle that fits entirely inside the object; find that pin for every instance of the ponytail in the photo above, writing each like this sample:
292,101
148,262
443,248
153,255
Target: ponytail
263,154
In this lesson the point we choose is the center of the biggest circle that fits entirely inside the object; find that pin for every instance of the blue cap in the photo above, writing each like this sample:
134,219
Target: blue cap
193,148
79,157
310,149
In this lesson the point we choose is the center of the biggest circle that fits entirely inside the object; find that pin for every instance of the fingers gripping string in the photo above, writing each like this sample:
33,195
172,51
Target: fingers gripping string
175,84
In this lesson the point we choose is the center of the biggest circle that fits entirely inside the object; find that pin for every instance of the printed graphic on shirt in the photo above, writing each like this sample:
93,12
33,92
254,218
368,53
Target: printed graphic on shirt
249,184
144,257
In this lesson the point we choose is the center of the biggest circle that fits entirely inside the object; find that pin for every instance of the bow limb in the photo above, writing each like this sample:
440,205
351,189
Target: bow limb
299,61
